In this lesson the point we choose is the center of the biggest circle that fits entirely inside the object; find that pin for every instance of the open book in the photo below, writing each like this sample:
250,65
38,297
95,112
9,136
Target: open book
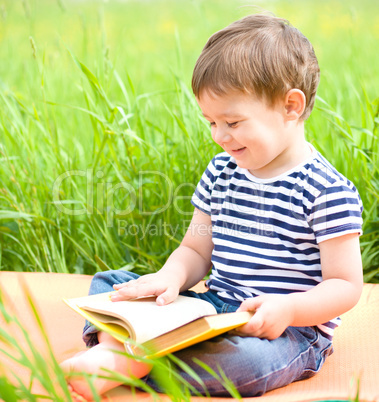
158,329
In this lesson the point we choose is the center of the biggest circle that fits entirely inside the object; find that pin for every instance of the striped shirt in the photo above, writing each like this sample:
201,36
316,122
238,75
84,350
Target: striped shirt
266,231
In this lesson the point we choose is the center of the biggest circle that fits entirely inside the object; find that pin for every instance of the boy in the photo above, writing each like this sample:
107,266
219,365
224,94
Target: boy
282,224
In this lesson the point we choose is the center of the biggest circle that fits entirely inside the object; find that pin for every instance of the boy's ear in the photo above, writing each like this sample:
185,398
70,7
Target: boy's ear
294,104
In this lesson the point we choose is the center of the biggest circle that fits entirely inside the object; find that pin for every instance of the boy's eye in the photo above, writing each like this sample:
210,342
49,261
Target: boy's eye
232,125
211,123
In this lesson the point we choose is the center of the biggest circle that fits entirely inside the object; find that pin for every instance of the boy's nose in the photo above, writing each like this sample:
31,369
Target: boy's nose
221,136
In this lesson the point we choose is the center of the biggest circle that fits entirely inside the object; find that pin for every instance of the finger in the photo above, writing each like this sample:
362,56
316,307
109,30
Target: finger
139,290
168,296
133,282
250,304
124,284
254,326
127,293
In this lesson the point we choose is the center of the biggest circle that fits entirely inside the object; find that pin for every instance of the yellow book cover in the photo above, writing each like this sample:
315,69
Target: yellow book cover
158,329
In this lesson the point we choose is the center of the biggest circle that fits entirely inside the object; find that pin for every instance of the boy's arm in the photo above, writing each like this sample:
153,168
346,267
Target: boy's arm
186,266
339,291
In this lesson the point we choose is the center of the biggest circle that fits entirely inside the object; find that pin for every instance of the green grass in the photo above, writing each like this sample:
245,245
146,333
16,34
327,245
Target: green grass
102,143
79,96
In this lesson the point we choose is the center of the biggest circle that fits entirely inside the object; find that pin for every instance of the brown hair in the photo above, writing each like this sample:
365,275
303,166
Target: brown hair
259,54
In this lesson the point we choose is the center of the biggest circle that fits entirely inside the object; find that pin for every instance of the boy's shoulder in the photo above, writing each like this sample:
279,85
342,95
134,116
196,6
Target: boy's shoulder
322,174
323,184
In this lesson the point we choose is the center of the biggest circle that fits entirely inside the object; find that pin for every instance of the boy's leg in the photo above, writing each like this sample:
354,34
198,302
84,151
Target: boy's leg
255,365
104,281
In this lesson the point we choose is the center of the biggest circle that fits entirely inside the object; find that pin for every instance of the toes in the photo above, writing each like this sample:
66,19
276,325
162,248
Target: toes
79,392
77,397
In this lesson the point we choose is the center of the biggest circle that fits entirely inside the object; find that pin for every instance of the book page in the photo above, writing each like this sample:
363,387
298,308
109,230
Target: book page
146,318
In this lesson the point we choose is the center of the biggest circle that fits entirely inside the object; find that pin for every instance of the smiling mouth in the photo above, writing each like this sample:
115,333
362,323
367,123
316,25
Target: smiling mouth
239,149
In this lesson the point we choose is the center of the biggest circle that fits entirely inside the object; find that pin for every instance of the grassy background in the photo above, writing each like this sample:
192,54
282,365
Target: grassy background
101,142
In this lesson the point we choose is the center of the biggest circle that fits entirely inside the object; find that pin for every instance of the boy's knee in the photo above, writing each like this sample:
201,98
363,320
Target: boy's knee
107,277
104,281
115,276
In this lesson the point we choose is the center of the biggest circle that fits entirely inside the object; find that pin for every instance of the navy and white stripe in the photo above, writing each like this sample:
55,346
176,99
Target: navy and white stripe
266,231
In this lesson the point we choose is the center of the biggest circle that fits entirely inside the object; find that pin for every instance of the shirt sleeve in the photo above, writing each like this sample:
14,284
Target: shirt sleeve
337,211
201,198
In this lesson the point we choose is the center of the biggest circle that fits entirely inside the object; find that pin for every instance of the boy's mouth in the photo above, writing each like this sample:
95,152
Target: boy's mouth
239,150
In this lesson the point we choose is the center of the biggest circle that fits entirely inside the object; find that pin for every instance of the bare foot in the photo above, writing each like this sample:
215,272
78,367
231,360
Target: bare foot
93,361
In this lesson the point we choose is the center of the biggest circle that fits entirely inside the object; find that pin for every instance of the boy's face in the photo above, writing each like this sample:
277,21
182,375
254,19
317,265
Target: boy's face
257,136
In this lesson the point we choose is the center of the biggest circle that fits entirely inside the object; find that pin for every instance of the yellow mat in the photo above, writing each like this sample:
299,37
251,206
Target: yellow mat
356,343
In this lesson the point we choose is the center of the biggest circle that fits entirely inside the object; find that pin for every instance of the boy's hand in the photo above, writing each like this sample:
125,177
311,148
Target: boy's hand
273,314
164,286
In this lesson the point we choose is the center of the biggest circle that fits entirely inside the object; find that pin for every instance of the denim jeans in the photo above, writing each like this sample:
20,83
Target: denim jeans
254,365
